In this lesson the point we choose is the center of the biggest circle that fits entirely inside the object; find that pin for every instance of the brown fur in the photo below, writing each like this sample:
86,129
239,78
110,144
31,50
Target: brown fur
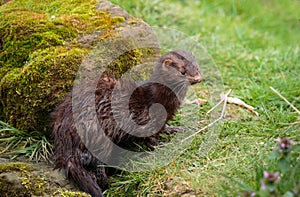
177,68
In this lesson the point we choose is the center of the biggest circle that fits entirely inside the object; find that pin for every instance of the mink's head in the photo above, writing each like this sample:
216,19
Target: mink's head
179,65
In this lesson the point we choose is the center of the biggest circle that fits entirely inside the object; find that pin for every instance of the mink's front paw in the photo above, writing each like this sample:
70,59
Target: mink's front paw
173,129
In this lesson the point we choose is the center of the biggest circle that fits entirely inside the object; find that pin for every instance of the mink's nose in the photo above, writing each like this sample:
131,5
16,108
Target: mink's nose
196,79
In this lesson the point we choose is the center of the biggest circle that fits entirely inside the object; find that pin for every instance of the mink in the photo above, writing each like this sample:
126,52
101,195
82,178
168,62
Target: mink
168,84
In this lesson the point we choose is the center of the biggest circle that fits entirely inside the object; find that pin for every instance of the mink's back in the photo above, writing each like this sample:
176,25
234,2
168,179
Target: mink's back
67,139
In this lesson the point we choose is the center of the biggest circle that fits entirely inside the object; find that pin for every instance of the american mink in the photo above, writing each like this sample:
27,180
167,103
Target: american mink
167,85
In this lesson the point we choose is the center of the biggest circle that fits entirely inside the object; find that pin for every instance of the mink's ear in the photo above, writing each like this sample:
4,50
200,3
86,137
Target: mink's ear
167,63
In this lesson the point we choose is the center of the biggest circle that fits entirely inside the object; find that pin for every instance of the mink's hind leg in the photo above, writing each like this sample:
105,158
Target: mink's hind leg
85,179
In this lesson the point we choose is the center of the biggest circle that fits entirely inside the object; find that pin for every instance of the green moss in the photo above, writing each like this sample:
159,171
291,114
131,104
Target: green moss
27,26
128,60
119,19
14,166
22,181
66,193
27,35
39,55
34,184
31,93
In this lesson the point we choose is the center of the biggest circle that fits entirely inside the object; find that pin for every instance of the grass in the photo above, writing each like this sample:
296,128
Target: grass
255,45
17,143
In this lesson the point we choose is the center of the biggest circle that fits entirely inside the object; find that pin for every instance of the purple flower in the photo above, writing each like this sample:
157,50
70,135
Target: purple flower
271,177
285,144
248,194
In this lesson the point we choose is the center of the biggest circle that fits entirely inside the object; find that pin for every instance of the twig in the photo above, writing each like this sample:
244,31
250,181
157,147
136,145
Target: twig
221,101
224,99
241,103
197,101
291,105
214,107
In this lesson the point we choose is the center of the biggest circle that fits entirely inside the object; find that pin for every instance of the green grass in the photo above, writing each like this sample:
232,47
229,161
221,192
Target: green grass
15,143
255,45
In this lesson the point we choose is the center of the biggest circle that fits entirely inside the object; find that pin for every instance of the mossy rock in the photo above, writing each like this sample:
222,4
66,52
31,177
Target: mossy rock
27,179
42,45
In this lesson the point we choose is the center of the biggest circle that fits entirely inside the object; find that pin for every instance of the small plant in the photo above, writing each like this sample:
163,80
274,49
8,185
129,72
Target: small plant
285,181
283,176
269,183
32,145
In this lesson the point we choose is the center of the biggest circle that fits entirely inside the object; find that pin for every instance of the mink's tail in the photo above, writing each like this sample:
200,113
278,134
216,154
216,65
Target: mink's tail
85,179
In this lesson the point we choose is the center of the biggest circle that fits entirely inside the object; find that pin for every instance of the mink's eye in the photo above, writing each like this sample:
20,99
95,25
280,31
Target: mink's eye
182,73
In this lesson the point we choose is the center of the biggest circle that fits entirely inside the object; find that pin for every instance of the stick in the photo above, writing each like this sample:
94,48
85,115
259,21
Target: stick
224,99
291,105
241,103
196,101
214,107
221,101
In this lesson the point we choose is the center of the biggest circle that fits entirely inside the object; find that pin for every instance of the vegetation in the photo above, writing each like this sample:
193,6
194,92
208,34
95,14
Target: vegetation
32,145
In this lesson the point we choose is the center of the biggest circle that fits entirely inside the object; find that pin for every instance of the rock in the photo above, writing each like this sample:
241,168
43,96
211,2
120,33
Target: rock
44,44
29,179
